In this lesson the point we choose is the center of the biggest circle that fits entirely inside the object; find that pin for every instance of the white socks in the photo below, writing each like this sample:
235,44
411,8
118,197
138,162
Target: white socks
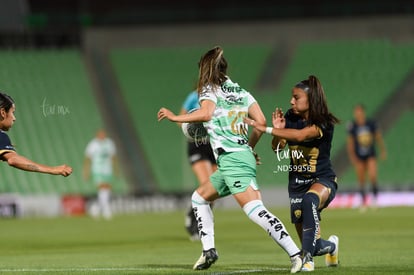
104,196
256,211
205,220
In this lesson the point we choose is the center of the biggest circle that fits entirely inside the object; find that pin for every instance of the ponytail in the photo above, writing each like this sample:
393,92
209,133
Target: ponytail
319,113
212,69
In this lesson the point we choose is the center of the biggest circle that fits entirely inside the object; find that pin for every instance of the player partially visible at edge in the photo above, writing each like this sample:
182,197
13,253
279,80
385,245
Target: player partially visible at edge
223,105
8,152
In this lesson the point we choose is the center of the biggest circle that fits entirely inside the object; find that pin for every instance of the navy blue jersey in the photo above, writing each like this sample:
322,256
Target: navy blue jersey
363,137
310,159
5,144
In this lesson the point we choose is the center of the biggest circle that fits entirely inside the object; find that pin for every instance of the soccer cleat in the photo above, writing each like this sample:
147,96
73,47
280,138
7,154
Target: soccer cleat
296,264
308,264
206,259
332,259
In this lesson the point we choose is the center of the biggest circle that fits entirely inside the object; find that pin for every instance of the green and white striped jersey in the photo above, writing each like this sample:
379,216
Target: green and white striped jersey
226,128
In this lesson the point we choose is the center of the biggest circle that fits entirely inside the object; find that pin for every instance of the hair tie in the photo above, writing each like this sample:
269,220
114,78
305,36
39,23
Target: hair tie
302,86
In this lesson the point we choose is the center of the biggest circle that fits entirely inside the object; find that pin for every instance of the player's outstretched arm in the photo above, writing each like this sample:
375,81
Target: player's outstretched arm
204,113
297,135
23,163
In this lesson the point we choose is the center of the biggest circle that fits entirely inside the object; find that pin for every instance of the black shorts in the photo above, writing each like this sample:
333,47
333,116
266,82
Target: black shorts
200,151
295,197
365,157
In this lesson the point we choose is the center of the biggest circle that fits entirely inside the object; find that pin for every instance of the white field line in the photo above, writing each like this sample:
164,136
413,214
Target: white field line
100,269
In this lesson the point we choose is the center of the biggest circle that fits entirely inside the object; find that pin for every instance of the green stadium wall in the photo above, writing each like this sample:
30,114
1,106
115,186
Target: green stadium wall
350,71
56,116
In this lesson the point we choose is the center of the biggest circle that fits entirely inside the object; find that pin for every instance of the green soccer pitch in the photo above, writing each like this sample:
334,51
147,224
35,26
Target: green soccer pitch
375,242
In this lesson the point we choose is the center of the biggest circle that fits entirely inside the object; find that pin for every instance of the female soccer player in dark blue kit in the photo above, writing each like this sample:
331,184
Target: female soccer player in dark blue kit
308,130
363,137
7,151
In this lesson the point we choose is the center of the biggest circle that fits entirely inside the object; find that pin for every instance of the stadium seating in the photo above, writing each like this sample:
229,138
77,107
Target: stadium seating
57,113
351,72
153,78
56,117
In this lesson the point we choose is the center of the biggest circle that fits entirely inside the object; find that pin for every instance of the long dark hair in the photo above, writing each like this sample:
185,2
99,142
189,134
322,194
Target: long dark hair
6,101
212,69
319,113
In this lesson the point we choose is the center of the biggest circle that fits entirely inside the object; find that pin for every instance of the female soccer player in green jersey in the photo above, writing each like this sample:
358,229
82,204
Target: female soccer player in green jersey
223,105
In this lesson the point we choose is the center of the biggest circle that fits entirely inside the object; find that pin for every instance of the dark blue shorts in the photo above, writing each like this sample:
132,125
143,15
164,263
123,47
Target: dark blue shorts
366,156
296,196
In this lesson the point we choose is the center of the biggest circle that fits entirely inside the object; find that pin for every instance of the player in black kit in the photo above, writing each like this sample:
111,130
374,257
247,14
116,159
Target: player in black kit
7,150
363,136
308,129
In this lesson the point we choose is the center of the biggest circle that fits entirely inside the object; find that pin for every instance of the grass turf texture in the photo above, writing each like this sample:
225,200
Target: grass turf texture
375,242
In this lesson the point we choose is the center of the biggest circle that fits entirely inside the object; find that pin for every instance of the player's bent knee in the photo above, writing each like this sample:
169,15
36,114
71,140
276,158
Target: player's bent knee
310,200
197,199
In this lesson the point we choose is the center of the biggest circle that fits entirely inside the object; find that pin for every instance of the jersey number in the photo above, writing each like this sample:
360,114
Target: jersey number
237,128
